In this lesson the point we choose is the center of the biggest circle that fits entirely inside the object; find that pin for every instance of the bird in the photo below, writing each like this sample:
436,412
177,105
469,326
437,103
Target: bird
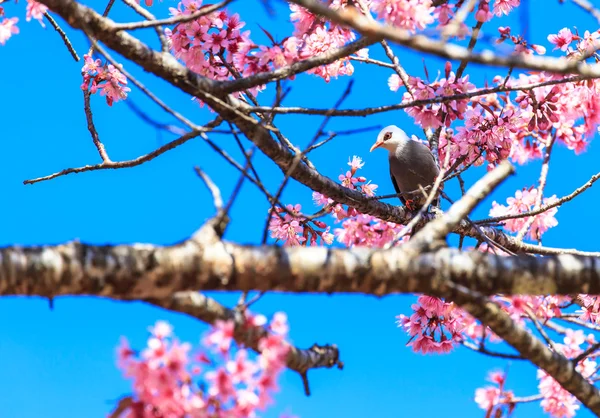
411,165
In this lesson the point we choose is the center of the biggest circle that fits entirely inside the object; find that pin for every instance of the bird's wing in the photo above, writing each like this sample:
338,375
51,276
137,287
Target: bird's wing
402,199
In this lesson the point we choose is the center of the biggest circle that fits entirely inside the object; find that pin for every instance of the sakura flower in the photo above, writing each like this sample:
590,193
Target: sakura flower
369,189
524,201
556,401
241,369
221,335
112,85
286,227
493,399
394,82
504,7
589,43
279,324
562,39
412,15
161,329
356,163
348,180
487,397
8,28
36,11
434,327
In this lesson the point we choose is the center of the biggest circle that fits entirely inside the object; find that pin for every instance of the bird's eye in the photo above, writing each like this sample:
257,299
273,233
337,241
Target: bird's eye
387,136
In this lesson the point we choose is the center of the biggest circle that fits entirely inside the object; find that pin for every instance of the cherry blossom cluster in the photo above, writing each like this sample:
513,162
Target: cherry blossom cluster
585,46
517,125
495,399
412,15
8,25
169,380
435,326
437,114
416,15
521,45
357,229
556,401
291,227
524,201
111,82
215,46
313,36
590,308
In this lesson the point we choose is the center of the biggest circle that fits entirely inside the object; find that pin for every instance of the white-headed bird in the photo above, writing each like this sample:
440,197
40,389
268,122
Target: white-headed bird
411,165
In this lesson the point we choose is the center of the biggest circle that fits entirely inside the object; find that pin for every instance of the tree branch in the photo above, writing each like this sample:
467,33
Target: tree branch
553,363
209,310
168,68
204,262
355,20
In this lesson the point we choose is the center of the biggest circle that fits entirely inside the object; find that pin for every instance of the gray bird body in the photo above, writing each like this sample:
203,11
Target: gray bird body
411,165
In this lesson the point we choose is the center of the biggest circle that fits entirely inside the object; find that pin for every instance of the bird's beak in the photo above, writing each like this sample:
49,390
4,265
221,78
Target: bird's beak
376,145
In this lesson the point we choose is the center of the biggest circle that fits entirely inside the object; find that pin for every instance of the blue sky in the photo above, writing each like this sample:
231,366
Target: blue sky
61,363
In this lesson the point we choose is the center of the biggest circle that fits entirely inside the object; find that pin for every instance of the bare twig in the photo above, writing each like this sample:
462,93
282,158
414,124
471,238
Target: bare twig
90,123
63,35
589,351
544,208
421,102
487,352
588,7
212,187
540,190
120,164
160,32
184,18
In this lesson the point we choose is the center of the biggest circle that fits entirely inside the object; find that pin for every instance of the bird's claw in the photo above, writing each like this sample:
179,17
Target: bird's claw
410,205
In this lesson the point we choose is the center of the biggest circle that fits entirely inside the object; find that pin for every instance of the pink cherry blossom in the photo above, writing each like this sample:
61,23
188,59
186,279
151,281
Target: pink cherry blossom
279,324
241,369
109,80
112,84
524,201
589,43
434,327
36,11
590,311
483,13
8,28
163,384
412,15
495,400
355,163
562,39
221,336
161,330
438,114
487,397
557,402
504,7
286,227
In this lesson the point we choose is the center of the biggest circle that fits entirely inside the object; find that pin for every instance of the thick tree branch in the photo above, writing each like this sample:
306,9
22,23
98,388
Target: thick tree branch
204,262
555,364
352,18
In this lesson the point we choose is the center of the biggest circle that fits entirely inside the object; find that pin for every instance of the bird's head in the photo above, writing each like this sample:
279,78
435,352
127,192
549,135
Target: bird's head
391,137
